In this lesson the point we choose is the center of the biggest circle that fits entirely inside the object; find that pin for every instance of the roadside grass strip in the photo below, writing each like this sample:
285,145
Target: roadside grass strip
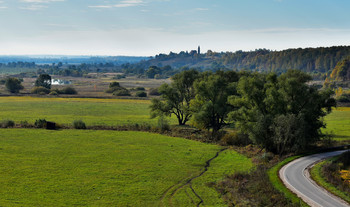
278,184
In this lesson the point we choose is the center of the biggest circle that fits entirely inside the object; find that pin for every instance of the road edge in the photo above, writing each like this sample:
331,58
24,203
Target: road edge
306,173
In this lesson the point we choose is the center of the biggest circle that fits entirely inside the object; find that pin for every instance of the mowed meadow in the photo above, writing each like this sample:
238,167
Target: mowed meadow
109,168
118,112
338,123
66,110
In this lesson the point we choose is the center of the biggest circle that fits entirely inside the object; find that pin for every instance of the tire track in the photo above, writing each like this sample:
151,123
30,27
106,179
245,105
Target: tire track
189,182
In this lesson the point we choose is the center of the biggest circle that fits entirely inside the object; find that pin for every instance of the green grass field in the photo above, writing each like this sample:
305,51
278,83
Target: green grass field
338,123
65,111
107,168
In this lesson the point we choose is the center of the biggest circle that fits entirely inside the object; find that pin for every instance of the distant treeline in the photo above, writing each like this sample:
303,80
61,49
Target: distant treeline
319,62
312,60
116,60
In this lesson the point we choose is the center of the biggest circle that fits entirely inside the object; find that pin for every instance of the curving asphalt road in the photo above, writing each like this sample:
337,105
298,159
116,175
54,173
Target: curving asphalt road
295,176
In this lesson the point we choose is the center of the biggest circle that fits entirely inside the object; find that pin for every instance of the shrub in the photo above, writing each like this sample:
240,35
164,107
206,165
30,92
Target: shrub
56,90
40,90
163,124
79,124
140,88
119,77
141,94
240,188
24,124
114,84
122,92
345,98
40,123
110,90
235,138
2,82
13,85
7,124
154,92
53,93
68,90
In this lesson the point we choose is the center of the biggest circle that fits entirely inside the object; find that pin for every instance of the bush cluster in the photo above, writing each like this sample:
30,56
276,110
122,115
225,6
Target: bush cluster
40,123
154,92
42,90
141,94
235,138
121,92
252,189
331,171
117,90
79,124
7,123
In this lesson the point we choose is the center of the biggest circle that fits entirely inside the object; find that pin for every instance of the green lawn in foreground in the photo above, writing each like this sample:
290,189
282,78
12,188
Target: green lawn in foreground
66,110
338,123
103,168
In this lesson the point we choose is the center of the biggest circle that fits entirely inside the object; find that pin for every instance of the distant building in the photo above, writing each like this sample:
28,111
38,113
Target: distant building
199,50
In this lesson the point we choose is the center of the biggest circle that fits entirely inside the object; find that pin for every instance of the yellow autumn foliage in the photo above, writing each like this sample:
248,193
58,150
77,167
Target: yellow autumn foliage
345,175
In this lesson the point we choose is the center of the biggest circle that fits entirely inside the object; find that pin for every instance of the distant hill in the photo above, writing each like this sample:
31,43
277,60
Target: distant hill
312,60
49,59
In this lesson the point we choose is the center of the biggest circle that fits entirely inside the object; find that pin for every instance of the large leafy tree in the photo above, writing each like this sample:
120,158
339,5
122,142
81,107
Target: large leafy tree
176,97
282,114
211,103
44,80
13,85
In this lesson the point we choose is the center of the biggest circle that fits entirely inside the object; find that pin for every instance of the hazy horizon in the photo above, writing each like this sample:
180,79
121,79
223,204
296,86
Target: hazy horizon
150,27
202,52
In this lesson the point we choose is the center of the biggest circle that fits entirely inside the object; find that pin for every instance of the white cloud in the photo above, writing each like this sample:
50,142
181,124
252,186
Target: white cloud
3,7
41,1
34,7
122,4
201,9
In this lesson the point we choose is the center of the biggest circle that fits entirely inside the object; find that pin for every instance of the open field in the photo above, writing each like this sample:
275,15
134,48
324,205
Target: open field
95,86
66,110
338,123
107,168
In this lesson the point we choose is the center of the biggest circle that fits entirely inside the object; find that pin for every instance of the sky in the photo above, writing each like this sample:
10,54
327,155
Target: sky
150,27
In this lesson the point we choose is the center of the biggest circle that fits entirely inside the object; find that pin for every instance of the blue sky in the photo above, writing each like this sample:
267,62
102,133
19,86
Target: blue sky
150,27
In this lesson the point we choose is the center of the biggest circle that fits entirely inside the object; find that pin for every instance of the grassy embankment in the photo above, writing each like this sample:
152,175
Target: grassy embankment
65,111
317,175
107,168
276,181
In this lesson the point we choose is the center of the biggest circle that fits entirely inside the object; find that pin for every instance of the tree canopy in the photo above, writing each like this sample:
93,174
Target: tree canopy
13,85
175,97
43,80
210,105
282,114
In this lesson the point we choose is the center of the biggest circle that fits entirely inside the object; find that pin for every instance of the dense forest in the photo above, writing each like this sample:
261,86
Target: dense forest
311,60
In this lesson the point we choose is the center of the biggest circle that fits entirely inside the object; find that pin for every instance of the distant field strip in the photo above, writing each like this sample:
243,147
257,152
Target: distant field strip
338,123
107,168
66,110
